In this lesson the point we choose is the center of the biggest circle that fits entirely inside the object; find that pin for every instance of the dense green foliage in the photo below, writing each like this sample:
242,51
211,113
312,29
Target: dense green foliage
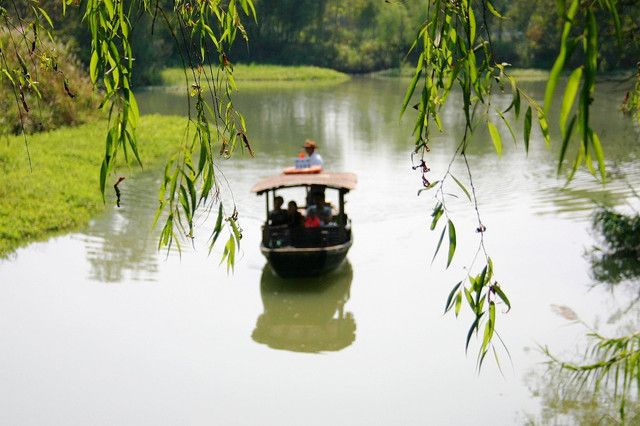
57,92
60,194
359,36
621,232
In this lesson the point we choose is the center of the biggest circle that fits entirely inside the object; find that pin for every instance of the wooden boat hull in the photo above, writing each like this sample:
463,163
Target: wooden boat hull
304,262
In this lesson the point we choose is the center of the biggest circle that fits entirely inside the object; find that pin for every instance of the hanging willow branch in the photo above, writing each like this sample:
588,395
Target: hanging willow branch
455,50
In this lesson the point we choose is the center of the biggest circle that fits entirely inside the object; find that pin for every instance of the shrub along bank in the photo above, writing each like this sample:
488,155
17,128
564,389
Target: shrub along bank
61,191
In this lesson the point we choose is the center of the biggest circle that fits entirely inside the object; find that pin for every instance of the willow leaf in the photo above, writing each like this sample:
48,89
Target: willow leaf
439,244
461,185
458,303
544,126
474,326
502,295
412,86
569,97
450,297
565,142
495,137
527,129
437,213
452,242
558,65
597,148
493,10
93,67
506,123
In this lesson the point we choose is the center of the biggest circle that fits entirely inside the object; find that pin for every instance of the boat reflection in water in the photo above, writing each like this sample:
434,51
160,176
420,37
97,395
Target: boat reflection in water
307,314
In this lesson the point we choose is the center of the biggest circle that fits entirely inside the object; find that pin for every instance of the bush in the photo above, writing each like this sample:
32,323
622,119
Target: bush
43,88
620,232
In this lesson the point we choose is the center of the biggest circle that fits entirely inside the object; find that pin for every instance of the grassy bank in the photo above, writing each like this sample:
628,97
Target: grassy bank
62,193
252,75
521,74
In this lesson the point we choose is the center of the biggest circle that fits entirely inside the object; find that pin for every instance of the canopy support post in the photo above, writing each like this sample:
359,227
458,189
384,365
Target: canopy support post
341,218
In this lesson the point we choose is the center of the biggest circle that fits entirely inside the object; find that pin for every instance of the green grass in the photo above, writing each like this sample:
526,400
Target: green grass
62,193
253,75
520,74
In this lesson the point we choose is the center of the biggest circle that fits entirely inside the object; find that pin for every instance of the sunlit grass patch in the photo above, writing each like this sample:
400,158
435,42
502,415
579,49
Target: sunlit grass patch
61,192
252,74
528,74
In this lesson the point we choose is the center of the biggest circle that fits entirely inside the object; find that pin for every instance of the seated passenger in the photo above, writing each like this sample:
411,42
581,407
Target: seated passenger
312,220
296,220
321,209
278,216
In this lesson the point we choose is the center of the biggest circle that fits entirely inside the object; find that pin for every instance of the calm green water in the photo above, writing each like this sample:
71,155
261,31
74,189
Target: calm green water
97,327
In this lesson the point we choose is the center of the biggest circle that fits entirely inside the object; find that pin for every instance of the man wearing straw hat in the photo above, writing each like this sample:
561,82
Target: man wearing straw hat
314,158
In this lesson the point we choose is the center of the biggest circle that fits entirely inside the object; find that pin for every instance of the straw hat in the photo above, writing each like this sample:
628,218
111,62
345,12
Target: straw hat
310,144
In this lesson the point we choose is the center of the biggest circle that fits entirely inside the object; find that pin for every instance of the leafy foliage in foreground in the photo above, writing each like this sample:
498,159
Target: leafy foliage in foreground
456,50
60,193
204,33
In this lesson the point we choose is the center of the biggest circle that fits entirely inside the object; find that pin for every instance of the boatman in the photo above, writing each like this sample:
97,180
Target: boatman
314,158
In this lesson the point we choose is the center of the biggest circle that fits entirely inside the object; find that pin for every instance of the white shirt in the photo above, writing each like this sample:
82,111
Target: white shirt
315,159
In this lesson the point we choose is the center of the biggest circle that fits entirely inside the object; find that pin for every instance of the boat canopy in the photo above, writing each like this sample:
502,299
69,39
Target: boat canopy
344,181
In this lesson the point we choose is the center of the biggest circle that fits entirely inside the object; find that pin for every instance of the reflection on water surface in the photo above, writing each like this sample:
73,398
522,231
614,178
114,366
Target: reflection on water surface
306,315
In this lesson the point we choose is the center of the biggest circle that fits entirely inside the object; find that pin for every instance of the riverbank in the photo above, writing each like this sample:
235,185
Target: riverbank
520,74
258,75
61,193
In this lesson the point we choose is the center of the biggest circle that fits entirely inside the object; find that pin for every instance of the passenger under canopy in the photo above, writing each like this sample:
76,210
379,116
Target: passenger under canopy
315,248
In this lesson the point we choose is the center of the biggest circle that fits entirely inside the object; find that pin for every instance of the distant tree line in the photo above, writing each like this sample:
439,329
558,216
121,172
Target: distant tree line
358,36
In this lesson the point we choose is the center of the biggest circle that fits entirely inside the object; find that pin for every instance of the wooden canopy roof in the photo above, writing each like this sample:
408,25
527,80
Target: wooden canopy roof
346,181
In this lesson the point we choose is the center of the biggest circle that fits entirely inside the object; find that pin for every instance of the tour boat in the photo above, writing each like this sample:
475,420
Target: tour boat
301,251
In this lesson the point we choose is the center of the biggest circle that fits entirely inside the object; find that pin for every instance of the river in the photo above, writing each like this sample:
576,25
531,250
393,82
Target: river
98,327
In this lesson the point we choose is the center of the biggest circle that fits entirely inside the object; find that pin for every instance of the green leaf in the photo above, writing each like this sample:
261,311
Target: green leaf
472,27
559,63
489,328
569,96
217,228
493,10
597,148
103,177
461,185
426,188
544,126
450,297
527,129
452,242
495,137
474,326
412,86
506,123
467,295
93,67
565,142
436,214
458,303
502,295
439,244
